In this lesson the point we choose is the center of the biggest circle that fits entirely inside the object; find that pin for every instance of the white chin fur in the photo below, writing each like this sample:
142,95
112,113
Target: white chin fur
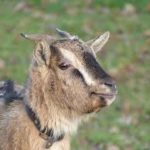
109,101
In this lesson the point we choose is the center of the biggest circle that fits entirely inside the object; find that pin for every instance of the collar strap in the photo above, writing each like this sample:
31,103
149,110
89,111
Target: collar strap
45,133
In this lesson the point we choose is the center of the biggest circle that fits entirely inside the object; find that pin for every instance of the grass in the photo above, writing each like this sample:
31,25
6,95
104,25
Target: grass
125,124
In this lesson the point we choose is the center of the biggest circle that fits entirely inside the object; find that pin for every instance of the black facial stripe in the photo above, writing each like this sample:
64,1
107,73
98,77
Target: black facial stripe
54,50
78,75
93,66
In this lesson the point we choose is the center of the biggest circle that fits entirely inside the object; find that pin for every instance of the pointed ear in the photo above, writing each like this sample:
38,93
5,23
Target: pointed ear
99,42
37,37
41,53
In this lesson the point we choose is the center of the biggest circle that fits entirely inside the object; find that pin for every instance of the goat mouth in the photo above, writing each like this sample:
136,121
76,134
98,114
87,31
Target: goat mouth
105,95
101,100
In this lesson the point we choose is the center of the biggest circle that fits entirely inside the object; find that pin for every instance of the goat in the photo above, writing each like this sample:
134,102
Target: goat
9,92
65,86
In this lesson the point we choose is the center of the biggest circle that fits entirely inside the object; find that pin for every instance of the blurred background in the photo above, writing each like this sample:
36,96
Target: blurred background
125,125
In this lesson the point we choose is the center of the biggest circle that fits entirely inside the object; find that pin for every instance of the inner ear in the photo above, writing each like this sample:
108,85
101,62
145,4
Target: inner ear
98,43
42,53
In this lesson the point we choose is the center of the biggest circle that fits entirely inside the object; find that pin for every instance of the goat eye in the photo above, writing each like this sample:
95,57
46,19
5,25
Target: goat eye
64,66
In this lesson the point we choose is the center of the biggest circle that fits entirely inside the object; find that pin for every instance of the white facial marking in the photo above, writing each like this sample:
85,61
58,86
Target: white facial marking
77,64
107,90
109,102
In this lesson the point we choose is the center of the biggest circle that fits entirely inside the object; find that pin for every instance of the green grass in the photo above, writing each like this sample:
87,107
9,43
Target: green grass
126,57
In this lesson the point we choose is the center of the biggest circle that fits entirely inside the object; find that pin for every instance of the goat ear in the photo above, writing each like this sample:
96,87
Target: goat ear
99,42
36,37
41,53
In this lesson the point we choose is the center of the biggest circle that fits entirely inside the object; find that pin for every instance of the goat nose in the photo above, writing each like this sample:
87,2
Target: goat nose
111,84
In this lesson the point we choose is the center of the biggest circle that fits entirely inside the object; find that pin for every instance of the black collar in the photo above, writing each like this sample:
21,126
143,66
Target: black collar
45,133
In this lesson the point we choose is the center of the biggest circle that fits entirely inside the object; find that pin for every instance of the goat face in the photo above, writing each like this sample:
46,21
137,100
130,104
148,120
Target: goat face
72,77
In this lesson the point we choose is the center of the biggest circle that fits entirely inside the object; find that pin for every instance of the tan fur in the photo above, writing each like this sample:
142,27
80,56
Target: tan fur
60,100
19,133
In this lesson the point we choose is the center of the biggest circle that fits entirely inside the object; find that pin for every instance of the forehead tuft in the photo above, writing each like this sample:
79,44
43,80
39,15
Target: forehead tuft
72,45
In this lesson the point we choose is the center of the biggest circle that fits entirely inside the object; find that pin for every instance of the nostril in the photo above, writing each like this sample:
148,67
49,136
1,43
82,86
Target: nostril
108,84
111,84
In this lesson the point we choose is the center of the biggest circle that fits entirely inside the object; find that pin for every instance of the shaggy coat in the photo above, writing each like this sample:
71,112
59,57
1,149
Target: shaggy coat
65,86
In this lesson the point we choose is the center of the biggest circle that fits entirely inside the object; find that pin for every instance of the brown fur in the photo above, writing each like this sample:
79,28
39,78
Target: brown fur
59,98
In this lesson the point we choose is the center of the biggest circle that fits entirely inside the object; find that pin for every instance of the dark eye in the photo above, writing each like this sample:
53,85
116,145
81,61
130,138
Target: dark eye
64,66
